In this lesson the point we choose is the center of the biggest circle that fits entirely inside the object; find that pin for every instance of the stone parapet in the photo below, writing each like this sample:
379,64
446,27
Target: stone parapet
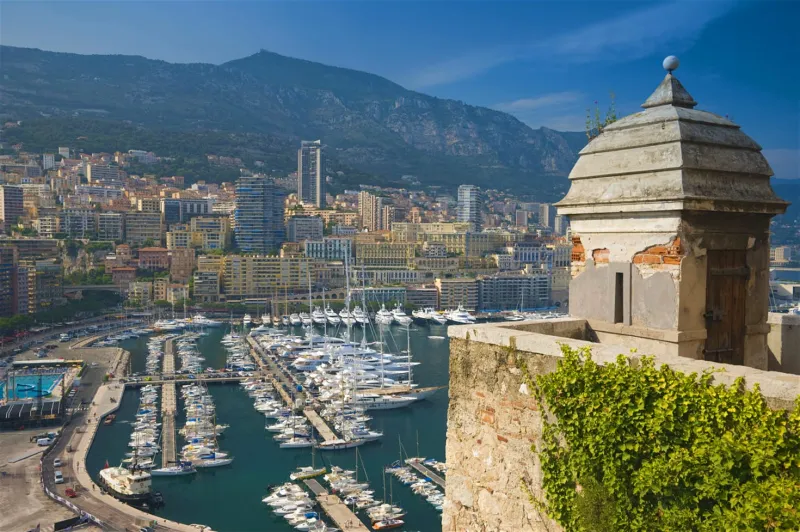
493,421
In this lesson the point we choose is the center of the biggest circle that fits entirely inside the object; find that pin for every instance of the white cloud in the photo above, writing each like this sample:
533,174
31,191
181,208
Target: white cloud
784,162
551,110
671,27
546,100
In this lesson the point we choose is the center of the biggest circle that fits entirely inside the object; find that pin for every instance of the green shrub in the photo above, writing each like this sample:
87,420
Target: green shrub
630,446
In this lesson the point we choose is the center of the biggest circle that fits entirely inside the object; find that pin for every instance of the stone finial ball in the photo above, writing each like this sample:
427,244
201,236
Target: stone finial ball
671,63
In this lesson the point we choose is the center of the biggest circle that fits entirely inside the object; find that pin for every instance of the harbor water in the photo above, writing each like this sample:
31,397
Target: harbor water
228,499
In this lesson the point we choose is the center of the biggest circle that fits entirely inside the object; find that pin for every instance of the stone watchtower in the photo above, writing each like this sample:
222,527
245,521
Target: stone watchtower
670,209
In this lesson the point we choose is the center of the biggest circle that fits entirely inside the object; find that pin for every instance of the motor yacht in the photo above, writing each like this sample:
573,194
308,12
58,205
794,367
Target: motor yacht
332,317
399,316
460,316
383,316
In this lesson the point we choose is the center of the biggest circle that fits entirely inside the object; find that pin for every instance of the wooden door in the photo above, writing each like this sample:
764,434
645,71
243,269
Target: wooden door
726,289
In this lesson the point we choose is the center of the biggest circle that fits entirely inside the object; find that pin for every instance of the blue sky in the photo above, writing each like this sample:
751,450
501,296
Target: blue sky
543,61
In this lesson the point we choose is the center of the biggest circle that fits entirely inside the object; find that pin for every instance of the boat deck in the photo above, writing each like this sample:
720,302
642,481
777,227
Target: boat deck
419,466
338,511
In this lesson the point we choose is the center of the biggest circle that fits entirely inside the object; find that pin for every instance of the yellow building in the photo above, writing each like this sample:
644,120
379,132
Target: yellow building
385,254
204,232
328,215
262,276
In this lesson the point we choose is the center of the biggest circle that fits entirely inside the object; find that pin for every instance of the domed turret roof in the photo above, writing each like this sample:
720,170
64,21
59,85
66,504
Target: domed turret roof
671,157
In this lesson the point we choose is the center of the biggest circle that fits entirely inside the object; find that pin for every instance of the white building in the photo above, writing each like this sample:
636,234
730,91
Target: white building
48,161
329,249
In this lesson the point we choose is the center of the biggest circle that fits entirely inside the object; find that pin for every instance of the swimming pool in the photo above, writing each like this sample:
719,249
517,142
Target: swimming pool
27,386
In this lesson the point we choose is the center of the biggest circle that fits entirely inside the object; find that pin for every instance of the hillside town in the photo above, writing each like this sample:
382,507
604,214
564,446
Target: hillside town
73,219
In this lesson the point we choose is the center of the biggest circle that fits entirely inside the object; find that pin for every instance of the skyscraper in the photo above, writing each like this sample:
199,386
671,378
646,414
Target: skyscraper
547,215
258,215
370,210
469,206
310,173
10,205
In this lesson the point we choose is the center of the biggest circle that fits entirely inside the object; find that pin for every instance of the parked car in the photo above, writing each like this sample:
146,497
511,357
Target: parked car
59,477
57,462
70,493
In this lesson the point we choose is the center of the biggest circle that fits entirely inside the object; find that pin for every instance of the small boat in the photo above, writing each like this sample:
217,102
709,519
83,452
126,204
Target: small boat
306,472
338,444
213,462
109,419
183,468
434,337
387,524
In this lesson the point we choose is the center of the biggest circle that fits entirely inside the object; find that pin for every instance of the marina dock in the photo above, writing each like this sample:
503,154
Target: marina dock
281,380
321,427
419,466
169,405
338,511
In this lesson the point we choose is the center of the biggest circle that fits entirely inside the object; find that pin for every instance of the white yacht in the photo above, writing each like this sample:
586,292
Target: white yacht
332,317
460,316
285,320
421,315
383,316
360,316
294,319
338,444
399,316
265,319
382,402
437,317
347,317
305,318
515,316
199,320
318,316
247,320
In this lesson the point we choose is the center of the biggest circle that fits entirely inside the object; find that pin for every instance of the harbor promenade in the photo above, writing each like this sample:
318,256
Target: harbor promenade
114,514
338,511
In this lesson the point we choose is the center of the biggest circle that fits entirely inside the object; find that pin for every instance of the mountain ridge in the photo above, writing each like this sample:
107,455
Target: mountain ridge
369,122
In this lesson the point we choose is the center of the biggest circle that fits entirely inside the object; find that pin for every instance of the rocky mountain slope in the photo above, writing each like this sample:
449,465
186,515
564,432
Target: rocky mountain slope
367,122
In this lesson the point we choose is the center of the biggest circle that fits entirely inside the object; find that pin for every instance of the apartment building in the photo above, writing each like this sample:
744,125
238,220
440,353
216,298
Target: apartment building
258,215
370,211
330,248
78,223
458,291
302,228
153,258
384,254
11,205
111,226
505,291
181,264
261,276
142,226
206,286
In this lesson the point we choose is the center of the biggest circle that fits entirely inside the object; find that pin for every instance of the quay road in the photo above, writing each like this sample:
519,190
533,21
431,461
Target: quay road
73,446
338,511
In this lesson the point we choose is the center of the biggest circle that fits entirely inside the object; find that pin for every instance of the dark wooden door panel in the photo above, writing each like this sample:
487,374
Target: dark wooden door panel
726,289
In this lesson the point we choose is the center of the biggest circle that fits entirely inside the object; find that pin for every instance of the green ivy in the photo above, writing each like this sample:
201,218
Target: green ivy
632,446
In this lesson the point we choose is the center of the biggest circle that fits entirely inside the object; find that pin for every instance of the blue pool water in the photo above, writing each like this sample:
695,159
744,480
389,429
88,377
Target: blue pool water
27,386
